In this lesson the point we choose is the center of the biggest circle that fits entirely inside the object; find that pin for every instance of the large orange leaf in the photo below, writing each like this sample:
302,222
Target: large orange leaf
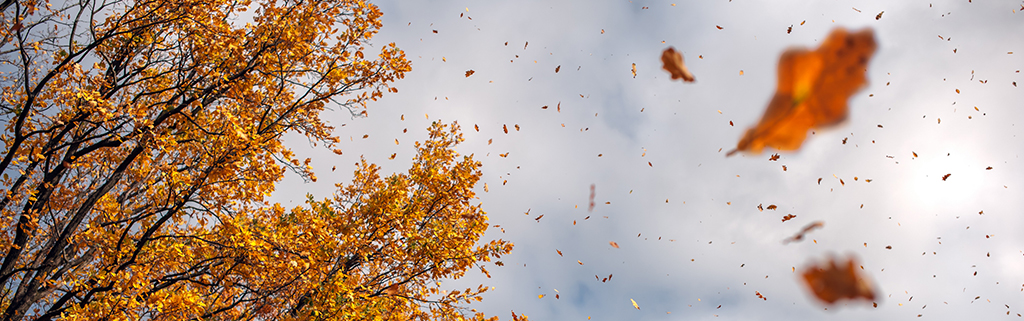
831,282
813,88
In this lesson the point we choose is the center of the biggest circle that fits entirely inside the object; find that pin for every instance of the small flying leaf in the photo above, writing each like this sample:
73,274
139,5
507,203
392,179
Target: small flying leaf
672,61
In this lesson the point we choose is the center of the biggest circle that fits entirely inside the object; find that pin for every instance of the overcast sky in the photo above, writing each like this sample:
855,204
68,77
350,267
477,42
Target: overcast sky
685,216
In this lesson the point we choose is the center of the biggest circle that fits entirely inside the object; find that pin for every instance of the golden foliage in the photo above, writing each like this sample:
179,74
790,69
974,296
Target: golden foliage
139,148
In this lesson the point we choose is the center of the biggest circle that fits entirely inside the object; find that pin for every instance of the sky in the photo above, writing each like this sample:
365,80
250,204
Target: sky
693,245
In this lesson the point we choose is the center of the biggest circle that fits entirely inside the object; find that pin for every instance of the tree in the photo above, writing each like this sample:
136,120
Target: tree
143,136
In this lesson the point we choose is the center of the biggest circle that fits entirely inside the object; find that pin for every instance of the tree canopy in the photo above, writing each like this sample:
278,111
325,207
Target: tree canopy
142,138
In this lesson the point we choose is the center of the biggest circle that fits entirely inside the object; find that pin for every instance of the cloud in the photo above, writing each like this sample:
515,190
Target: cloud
711,211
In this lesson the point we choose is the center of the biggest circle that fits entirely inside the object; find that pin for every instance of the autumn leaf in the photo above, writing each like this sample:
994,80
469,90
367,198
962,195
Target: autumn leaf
593,189
634,70
672,61
812,91
831,282
788,217
800,235
613,244
634,304
470,72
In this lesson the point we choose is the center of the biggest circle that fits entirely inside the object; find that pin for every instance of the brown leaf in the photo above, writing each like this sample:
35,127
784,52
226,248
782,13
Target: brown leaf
800,235
613,244
672,61
812,92
593,189
469,72
831,282
788,217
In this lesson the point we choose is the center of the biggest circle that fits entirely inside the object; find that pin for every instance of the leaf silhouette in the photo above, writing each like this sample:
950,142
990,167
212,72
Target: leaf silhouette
672,61
831,282
812,91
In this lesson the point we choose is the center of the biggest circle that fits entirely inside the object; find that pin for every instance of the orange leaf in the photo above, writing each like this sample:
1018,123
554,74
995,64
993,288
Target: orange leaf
470,72
613,244
812,91
672,61
831,282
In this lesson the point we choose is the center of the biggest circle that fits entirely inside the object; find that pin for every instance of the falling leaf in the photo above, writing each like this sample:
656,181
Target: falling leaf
774,157
505,128
435,31
525,45
580,262
719,27
634,70
470,72
634,304
812,91
613,244
831,282
879,16
593,189
559,252
672,61
517,127
760,296
944,177
800,235
790,29
559,67
788,217
538,218
477,127
772,207
540,296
